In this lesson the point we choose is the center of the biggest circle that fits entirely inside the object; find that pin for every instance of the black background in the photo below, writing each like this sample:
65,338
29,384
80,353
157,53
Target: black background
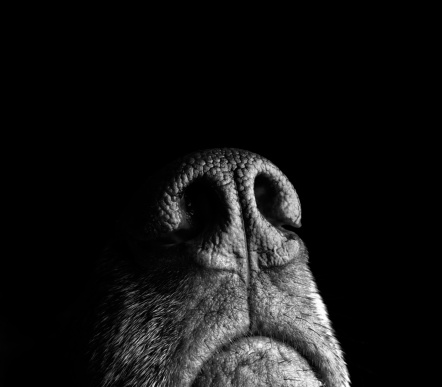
91,121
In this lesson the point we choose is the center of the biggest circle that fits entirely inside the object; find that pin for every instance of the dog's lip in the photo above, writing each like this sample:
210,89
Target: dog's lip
256,342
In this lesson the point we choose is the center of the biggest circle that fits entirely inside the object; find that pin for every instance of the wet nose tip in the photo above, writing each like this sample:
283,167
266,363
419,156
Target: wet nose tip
195,195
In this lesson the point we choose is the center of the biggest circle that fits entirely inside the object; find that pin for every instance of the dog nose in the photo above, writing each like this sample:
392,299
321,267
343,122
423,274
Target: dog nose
226,209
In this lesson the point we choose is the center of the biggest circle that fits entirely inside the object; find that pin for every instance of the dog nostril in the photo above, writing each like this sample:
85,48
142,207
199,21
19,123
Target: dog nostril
201,211
266,197
268,200
200,207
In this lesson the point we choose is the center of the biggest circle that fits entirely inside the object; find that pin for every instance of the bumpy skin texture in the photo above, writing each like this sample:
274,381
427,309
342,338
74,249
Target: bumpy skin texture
209,285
